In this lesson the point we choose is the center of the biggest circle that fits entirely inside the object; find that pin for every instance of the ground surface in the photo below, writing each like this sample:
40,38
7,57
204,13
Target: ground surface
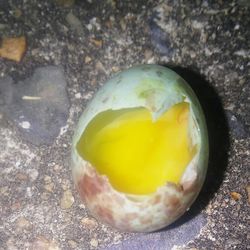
72,48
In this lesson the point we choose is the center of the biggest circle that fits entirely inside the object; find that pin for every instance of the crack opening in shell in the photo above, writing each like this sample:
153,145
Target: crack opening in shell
139,155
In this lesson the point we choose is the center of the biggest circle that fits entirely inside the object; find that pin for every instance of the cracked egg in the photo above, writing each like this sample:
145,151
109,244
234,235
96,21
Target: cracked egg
140,150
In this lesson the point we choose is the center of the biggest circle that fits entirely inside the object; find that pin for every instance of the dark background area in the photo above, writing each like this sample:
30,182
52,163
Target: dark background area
73,47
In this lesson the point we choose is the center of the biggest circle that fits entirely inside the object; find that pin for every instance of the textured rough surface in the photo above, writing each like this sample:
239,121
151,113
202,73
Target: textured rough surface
165,239
38,106
207,43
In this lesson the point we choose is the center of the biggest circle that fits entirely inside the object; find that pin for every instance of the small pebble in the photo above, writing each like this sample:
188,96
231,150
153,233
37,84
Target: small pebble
23,223
4,190
74,23
72,244
21,177
49,187
42,243
33,174
25,124
47,179
78,95
99,66
94,242
57,168
87,59
67,200
45,196
10,244
115,69
89,223
29,192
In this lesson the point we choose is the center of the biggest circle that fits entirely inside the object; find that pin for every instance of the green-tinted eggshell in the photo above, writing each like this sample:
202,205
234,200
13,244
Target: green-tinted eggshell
156,88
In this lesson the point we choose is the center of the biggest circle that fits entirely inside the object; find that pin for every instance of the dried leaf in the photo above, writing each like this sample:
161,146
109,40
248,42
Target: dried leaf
13,48
97,43
88,59
236,196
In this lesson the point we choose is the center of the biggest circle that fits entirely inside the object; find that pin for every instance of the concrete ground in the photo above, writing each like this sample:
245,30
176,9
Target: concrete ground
72,48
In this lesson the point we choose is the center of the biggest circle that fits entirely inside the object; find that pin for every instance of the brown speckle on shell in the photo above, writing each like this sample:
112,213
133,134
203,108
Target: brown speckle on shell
125,223
90,186
131,216
173,201
133,213
105,213
191,186
146,221
156,200
174,206
175,186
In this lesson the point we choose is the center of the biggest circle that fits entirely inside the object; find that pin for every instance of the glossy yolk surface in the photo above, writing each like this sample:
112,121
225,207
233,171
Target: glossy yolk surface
137,154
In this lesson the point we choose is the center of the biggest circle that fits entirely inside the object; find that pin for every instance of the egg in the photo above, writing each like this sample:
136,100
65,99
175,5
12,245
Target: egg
140,150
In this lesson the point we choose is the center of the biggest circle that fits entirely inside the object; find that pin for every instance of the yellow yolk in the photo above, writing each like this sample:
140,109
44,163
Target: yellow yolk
135,153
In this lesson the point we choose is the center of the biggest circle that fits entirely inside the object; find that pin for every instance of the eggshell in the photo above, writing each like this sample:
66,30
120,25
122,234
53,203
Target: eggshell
156,88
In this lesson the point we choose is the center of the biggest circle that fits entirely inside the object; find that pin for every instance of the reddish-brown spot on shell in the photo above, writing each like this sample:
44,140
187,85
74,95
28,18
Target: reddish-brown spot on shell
105,214
191,187
127,220
174,201
131,216
90,186
156,200
146,221
125,225
114,199
173,204
177,187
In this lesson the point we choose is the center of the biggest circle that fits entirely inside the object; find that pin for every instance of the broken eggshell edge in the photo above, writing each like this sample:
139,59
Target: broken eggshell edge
156,88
